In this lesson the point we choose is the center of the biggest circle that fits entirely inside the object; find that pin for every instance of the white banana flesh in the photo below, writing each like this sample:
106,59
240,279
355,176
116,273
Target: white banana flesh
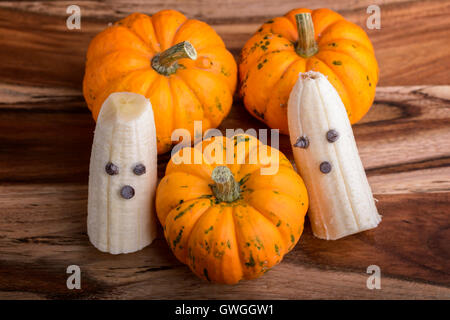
341,201
123,175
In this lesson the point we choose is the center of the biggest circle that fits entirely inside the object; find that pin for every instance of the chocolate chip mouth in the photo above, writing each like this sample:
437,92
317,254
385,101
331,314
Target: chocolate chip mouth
325,167
127,192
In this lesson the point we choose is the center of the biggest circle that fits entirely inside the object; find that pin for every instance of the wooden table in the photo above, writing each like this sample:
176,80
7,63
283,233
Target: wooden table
45,142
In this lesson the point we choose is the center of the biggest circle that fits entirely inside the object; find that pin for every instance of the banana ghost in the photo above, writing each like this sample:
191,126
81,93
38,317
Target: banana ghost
325,152
123,175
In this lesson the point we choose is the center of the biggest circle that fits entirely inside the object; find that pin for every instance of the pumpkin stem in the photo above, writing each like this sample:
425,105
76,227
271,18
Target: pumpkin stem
225,188
306,45
166,62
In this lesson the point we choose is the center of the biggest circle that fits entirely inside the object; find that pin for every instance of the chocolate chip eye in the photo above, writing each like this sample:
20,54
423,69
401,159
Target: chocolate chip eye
332,135
111,169
139,169
302,142
127,192
325,167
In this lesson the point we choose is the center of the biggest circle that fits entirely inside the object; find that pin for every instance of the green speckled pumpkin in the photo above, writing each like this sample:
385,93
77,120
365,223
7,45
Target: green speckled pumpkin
180,64
231,222
303,40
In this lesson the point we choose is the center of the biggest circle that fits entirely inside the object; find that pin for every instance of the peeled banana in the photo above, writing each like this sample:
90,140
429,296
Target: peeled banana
123,175
325,152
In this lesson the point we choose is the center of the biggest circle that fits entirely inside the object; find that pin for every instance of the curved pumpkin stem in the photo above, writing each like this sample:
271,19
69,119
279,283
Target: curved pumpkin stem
225,188
166,62
306,45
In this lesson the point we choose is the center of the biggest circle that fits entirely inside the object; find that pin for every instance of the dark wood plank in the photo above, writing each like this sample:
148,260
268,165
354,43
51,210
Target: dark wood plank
36,45
217,12
404,141
410,246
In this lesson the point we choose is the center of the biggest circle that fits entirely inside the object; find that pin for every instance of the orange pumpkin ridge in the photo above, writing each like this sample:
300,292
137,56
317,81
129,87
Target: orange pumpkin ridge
303,40
155,56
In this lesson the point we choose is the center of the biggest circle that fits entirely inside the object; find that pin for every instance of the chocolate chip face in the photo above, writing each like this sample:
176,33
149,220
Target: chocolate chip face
127,192
302,142
325,167
332,135
111,169
139,169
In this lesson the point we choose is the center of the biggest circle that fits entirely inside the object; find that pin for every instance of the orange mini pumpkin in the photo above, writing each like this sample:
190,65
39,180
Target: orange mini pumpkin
181,65
303,40
229,222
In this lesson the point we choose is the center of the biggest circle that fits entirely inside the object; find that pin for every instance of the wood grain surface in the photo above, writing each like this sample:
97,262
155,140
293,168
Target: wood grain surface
46,134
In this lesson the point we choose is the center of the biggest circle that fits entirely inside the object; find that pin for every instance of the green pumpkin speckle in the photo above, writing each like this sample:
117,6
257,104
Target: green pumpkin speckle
251,262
